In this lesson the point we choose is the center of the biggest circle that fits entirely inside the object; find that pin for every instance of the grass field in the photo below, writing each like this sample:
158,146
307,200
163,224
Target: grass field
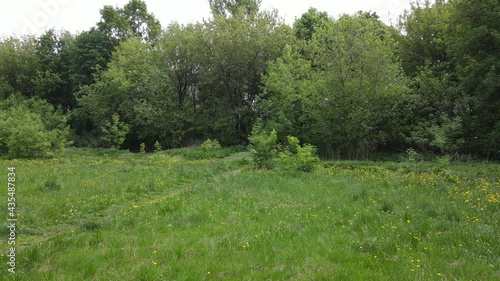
108,215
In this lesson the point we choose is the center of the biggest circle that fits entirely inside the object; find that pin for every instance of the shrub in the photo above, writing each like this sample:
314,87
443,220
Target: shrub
114,132
297,158
412,155
263,146
31,129
210,145
157,146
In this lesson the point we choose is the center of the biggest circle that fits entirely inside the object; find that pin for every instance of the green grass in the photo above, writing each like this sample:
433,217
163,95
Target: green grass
123,216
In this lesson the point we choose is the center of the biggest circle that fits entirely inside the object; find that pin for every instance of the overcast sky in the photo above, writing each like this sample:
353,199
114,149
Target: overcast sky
19,17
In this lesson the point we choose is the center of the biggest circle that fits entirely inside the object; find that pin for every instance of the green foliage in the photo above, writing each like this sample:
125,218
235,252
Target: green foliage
263,146
444,160
351,86
142,148
133,20
450,49
137,88
412,155
298,158
157,146
210,145
54,81
308,23
31,129
341,92
238,49
228,8
19,65
90,52
113,133
288,96
445,135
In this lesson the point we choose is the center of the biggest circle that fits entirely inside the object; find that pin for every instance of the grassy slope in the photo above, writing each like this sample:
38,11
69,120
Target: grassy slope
157,217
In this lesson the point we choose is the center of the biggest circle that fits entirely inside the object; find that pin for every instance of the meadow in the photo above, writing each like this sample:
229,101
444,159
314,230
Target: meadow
178,215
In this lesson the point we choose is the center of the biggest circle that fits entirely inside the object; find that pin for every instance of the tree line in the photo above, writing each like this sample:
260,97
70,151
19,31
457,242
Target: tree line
352,86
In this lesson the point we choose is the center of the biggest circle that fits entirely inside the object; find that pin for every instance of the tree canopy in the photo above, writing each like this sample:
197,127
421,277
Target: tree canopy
350,85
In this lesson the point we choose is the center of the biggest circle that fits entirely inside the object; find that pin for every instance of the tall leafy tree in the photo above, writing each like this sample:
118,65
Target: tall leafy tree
90,52
474,43
362,80
19,65
238,51
228,8
436,105
131,20
423,30
53,82
136,89
287,96
340,96
182,50
309,22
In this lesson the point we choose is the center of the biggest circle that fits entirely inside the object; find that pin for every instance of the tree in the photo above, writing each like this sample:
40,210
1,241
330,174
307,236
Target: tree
474,44
114,132
19,64
238,50
53,81
133,20
340,95
90,52
308,23
287,95
422,37
228,8
450,50
182,53
137,88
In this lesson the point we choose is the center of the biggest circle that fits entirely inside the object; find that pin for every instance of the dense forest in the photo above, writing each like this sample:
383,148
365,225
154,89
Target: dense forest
352,86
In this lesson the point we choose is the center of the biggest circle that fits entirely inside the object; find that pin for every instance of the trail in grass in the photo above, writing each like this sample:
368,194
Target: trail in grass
145,199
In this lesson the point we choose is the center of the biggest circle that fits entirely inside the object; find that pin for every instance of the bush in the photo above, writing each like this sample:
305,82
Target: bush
210,145
263,146
114,132
412,155
31,129
297,158
157,146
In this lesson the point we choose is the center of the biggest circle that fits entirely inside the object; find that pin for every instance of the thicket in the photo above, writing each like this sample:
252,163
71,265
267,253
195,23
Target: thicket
351,86
31,128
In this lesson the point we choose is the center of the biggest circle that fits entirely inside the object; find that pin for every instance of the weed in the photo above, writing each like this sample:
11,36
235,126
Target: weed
51,185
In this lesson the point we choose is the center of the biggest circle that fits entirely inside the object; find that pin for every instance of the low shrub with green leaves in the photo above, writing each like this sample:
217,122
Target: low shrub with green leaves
298,158
158,146
210,145
114,132
263,146
31,129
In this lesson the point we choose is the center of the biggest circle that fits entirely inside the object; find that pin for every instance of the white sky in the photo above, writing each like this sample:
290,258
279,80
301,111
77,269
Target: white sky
20,17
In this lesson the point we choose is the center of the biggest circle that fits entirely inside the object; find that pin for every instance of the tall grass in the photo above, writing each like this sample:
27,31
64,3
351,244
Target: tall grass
122,216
